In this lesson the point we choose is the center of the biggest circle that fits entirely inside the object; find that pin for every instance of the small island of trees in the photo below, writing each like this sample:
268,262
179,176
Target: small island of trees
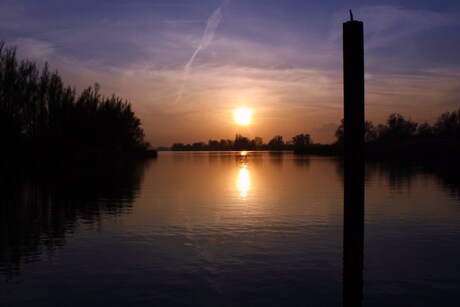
39,115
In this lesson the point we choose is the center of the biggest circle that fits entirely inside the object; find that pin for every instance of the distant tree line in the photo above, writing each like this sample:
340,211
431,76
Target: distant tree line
38,111
243,143
399,129
397,137
401,139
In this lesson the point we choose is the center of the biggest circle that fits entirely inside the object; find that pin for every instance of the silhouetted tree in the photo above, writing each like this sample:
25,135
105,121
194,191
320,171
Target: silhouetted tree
276,143
199,146
241,143
370,133
38,109
425,131
301,141
396,129
257,143
226,144
448,125
10,105
339,133
177,146
213,145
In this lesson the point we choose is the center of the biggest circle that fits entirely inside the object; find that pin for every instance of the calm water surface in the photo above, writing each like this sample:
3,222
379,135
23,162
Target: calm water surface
225,228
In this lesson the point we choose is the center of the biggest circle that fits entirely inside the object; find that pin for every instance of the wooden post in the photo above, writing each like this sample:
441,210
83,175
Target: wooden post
353,89
353,240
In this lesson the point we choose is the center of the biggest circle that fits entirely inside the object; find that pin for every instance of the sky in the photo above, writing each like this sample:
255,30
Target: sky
185,66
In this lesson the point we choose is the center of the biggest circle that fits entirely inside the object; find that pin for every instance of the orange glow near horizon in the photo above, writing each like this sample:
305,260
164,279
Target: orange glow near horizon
243,116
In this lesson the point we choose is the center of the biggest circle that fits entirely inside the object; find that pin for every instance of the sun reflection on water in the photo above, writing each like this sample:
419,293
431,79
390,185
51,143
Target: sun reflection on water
244,179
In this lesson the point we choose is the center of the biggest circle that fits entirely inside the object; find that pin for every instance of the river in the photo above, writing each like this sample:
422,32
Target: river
225,228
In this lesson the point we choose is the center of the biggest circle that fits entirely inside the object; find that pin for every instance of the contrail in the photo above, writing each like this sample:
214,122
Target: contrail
209,30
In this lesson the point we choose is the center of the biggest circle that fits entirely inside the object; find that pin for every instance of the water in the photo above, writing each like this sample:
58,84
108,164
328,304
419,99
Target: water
224,229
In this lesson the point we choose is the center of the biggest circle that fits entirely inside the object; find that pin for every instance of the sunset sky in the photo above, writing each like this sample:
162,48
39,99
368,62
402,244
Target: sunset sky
187,65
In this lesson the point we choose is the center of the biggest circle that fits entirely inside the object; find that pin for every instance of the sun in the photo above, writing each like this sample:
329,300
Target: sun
243,116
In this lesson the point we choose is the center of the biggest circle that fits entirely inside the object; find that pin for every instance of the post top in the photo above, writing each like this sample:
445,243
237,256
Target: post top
352,21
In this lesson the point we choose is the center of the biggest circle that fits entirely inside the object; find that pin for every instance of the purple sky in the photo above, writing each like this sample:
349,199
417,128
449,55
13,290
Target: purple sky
186,65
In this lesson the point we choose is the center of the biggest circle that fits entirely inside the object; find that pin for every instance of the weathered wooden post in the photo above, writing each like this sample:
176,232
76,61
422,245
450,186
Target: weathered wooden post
353,89
353,84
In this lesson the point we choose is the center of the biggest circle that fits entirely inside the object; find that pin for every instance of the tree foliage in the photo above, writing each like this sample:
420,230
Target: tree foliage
370,133
448,125
38,109
276,143
301,141
239,143
397,128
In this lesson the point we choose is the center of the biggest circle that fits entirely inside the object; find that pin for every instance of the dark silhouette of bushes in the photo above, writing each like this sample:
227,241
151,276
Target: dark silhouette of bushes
403,139
239,143
39,112
398,129
276,143
448,125
301,142
370,133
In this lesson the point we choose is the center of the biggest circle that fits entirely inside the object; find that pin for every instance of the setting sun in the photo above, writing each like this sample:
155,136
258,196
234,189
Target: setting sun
243,116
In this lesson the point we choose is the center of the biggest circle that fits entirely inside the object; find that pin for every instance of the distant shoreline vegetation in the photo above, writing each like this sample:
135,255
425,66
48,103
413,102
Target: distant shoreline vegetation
397,139
243,143
42,117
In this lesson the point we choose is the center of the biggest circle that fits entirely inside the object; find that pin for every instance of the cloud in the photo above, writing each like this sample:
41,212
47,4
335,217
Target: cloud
33,49
326,127
209,30
386,24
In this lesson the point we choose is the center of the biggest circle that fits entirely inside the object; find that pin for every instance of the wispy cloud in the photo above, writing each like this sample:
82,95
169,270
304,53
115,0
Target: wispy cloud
209,31
33,49
386,24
